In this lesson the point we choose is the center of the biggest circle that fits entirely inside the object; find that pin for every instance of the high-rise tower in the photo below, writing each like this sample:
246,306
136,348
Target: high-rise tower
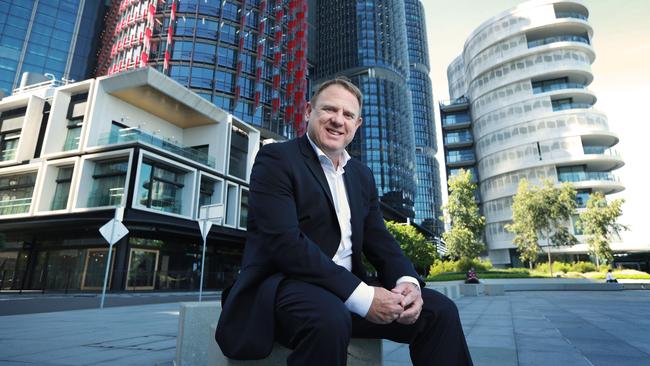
428,197
48,37
247,57
366,41
525,75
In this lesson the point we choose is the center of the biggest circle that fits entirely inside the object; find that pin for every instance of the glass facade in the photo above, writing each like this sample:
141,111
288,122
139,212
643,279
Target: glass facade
246,57
428,197
109,178
160,187
55,37
367,42
16,192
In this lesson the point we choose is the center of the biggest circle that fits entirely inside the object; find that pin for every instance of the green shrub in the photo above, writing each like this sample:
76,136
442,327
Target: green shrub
440,266
462,265
583,267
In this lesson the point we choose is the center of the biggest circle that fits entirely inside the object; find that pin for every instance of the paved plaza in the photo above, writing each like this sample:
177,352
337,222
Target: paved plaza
520,328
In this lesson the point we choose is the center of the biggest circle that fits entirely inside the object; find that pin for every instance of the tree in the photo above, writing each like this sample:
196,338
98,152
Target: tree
416,247
542,213
598,224
464,239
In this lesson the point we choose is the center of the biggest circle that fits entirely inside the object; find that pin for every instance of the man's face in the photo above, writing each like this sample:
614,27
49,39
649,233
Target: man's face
333,120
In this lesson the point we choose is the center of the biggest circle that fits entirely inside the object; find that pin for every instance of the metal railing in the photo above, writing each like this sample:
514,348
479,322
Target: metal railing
15,206
557,86
600,150
586,176
453,120
136,135
554,39
457,101
565,106
571,14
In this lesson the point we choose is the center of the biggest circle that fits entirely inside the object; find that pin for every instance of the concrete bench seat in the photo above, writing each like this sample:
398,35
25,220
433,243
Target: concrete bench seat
195,344
564,287
451,290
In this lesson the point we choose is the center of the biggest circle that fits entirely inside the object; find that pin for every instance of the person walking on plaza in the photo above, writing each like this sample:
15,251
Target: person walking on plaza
313,213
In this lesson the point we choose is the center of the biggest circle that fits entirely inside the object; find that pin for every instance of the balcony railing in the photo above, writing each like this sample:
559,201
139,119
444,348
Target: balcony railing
570,14
458,139
137,135
558,86
454,120
15,206
460,158
565,38
8,154
585,176
457,101
565,106
600,150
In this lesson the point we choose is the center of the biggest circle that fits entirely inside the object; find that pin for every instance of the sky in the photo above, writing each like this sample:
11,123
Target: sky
621,72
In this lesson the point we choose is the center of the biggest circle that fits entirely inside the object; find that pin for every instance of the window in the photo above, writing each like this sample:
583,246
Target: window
16,193
161,187
238,153
63,179
109,178
75,117
11,124
243,209
209,191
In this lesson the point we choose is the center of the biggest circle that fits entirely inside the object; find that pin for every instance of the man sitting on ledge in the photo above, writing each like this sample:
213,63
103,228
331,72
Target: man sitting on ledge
313,212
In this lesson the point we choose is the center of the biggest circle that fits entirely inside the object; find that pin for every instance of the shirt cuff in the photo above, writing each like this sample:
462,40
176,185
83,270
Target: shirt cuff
360,300
409,279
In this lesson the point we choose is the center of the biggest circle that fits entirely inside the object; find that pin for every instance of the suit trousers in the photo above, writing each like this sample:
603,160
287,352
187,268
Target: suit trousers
317,326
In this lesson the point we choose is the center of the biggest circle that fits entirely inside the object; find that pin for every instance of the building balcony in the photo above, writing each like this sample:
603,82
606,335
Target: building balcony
454,103
460,160
586,176
564,106
555,39
455,122
571,14
15,206
557,86
458,141
136,135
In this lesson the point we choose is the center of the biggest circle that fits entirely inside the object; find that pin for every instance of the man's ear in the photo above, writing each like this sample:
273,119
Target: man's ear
307,111
359,121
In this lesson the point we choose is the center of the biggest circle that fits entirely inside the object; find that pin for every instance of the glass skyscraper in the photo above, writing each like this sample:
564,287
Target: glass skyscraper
248,57
53,37
367,42
428,197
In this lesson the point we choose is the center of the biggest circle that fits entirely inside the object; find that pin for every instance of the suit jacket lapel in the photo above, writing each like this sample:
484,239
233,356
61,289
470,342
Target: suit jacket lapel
311,159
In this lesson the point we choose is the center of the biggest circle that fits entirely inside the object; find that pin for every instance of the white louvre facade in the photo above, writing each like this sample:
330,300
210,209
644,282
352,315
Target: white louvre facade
525,74
70,154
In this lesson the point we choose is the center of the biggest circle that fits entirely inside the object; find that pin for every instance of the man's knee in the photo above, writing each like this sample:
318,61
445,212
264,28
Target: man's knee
440,305
333,323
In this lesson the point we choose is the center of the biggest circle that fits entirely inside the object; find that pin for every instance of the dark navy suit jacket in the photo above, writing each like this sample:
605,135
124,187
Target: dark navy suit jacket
293,232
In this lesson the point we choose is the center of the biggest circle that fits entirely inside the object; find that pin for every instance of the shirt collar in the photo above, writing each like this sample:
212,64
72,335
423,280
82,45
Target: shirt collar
323,157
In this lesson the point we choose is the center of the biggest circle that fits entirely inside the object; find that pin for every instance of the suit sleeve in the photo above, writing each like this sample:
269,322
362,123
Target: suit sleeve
275,218
380,247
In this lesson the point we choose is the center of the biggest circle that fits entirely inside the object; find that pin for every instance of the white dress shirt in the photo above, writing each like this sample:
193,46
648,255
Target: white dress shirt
361,298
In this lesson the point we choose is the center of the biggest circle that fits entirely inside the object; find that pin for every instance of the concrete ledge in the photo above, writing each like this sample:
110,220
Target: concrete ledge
563,287
472,289
494,290
451,290
636,286
361,352
195,344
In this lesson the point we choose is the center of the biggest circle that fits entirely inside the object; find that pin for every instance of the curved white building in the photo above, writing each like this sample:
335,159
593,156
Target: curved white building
526,74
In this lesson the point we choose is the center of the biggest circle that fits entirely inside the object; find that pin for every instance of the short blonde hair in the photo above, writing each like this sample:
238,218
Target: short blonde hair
343,82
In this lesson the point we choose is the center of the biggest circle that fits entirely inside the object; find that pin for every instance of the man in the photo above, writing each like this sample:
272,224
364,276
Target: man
313,212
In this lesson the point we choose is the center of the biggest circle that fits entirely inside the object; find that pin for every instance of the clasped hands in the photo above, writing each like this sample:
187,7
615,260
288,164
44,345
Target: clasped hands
402,304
